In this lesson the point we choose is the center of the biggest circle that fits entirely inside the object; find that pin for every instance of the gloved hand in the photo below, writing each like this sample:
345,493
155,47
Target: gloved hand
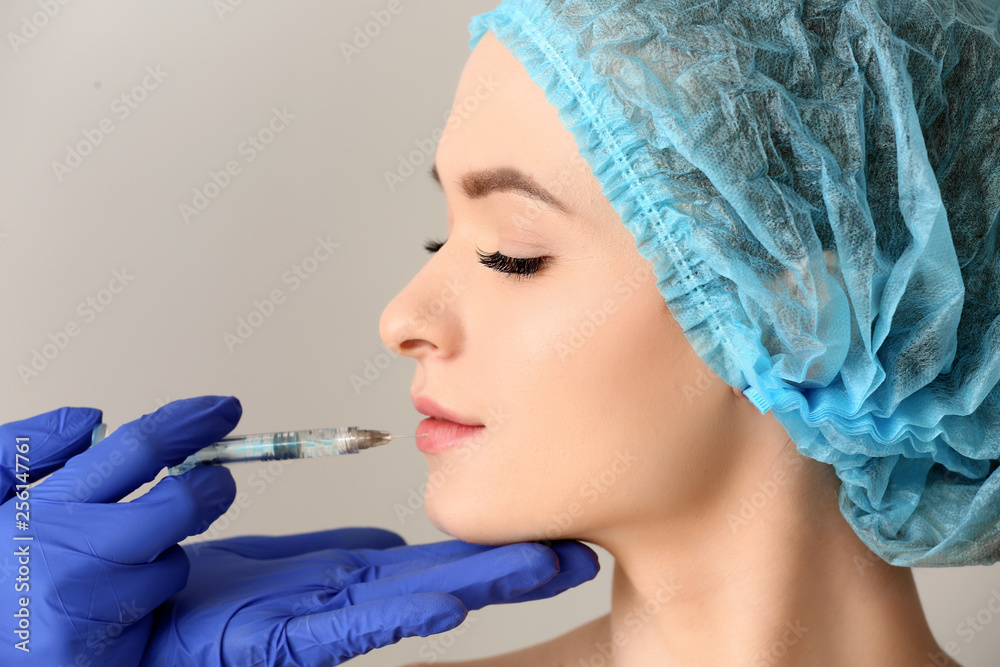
79,591
318,599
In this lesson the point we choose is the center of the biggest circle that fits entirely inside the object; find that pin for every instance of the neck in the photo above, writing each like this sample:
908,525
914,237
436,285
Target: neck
770,574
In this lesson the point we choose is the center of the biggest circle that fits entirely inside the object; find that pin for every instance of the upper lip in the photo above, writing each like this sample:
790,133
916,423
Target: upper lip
427,406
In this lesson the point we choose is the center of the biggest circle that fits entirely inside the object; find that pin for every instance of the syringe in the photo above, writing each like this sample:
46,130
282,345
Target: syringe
303,444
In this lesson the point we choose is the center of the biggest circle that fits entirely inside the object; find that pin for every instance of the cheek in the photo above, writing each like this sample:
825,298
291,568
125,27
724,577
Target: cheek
498,488
511,484
599,428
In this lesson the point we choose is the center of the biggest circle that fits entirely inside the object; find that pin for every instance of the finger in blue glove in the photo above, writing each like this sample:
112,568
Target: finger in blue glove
302,600
90,569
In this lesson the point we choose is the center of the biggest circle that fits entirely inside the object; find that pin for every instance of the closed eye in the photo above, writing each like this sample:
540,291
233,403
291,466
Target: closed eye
522,267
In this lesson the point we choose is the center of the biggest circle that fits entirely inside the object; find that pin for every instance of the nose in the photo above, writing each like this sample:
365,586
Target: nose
424,316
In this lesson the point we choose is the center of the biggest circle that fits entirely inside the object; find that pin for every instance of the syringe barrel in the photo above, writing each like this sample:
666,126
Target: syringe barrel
275,446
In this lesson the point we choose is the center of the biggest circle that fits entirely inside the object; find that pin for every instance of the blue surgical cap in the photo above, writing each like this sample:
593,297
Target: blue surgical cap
817,187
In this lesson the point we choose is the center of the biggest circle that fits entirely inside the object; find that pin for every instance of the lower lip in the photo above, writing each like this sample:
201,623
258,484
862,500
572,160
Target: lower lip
442,434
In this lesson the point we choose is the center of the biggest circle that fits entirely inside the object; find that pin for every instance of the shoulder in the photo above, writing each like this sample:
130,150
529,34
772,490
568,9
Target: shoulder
567,649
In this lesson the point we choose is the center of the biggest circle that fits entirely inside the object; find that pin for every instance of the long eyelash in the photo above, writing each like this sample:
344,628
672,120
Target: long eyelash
513,265
517,266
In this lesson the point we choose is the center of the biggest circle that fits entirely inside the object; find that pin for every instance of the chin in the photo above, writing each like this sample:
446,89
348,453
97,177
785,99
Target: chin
464,522
461,522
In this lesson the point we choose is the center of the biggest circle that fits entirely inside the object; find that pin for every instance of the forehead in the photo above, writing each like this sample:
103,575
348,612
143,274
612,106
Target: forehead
501,117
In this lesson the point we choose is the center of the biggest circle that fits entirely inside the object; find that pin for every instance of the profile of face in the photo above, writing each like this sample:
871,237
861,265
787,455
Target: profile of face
599,416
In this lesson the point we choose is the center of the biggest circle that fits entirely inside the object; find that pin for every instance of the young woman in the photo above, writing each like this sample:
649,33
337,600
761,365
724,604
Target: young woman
571,401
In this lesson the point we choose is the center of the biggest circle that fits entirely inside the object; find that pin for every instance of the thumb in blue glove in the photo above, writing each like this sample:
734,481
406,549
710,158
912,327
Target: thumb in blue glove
90,570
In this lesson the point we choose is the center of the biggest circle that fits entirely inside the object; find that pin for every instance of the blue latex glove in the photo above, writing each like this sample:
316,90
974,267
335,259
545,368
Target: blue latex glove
318,599
97,568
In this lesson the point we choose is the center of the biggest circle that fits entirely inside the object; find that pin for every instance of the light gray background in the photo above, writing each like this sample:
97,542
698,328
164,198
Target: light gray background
227,65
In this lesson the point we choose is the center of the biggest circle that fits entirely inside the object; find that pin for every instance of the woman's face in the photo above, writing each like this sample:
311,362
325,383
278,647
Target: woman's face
599,415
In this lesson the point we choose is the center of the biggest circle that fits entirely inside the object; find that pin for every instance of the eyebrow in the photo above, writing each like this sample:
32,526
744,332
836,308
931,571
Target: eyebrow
479,183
